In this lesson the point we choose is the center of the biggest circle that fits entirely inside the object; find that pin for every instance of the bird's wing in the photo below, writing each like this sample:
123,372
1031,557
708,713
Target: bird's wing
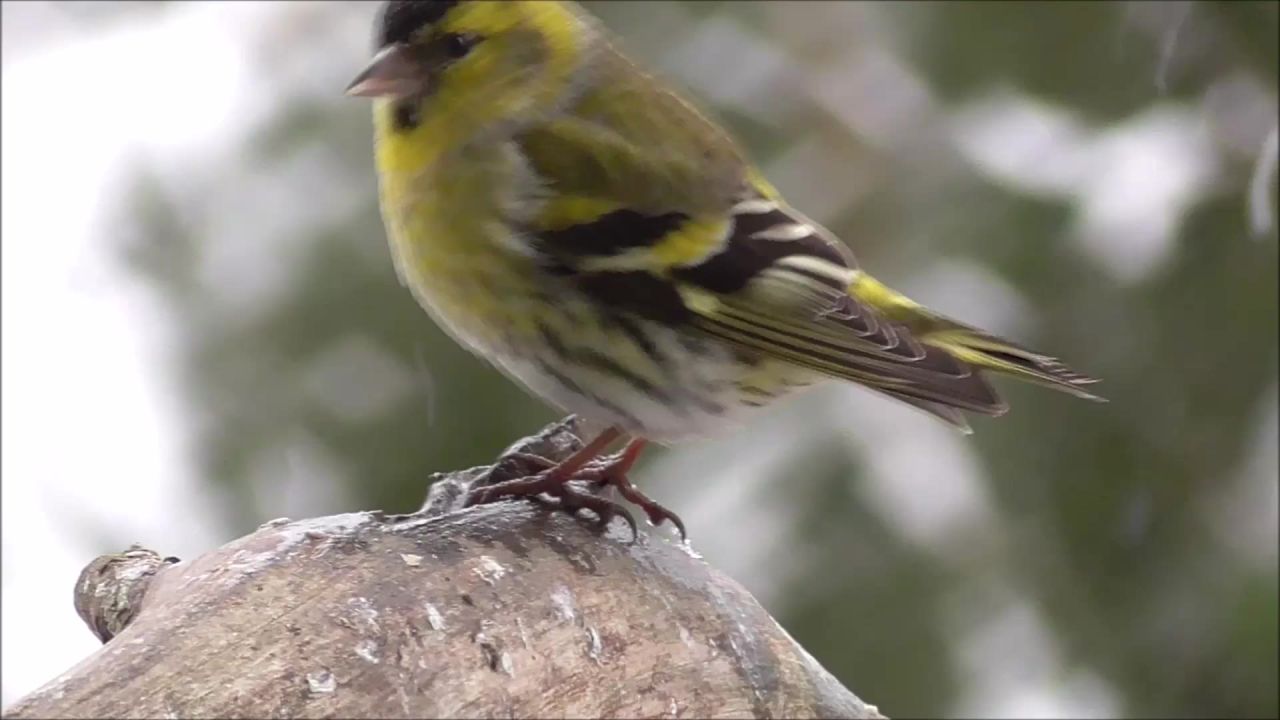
634,142
655,210
782,287
765,280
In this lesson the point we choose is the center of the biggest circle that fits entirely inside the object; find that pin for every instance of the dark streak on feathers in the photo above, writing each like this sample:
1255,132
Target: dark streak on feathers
612,233
639,292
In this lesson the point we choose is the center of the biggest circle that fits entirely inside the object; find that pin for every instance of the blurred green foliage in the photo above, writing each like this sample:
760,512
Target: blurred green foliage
1106,512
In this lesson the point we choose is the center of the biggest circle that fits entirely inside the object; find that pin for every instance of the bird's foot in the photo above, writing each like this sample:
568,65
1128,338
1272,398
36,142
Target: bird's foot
613,472
553,479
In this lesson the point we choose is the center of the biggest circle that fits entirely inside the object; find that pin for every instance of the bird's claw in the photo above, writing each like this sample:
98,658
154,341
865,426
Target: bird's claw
604,475
511,478
571,500
604,509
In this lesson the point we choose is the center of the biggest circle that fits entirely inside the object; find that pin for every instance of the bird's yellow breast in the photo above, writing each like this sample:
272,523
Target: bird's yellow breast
450,223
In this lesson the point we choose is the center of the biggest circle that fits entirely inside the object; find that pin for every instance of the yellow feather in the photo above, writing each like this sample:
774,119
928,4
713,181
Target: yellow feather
562,211
692,243
880,296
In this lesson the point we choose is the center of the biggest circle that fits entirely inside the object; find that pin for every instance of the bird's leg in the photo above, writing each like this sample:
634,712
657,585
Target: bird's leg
554,480
613,471
549,479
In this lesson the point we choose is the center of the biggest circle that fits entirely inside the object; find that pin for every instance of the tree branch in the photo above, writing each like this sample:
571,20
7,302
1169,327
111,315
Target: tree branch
505,610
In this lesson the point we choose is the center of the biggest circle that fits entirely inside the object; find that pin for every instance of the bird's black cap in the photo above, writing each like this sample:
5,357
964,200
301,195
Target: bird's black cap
402,18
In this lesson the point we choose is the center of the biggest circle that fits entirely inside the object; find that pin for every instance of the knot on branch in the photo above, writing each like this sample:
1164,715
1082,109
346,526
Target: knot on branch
110,589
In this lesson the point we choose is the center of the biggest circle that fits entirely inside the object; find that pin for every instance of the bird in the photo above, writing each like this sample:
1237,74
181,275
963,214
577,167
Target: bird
572,218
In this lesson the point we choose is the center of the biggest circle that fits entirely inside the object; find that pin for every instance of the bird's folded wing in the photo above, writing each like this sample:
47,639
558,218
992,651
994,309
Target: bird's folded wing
760,278
635,142
781,289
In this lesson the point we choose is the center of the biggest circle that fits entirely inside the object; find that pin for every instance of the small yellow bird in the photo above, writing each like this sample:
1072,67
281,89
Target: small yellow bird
565,215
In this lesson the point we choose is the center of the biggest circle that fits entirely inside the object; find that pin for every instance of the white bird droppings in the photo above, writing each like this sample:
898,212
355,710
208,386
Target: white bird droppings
490,570
562,599
685,637
368,650
321,682
366,615
434,618
524,634
594,647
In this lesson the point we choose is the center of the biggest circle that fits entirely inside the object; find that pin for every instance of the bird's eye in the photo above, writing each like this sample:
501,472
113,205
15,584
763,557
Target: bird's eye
458,45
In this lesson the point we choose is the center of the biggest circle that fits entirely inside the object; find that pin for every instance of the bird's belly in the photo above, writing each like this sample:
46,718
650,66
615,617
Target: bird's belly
485,311
662,383
651,380
481,295
682,396
671,386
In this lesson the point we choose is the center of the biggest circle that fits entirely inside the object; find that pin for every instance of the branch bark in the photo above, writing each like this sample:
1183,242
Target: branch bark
506,610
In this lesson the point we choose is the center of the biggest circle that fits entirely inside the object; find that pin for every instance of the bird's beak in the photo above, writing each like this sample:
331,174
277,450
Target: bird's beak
392,73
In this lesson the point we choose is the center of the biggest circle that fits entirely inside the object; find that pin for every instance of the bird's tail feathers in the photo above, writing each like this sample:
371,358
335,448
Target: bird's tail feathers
988,352
970,345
